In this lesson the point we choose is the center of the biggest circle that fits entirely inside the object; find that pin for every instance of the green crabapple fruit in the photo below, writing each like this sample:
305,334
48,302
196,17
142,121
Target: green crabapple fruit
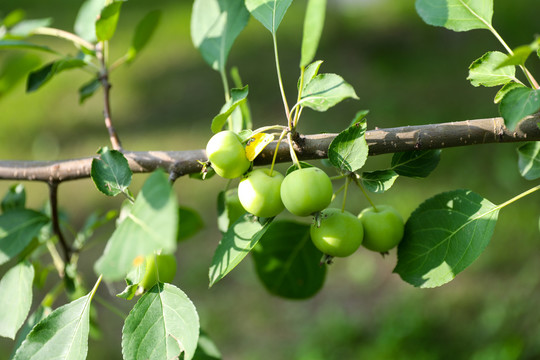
259,193
340,233
306,191
227,155
383,228
161,267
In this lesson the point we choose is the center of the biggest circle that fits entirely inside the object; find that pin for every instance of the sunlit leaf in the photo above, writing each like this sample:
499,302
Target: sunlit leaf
25,28
379,181
162,325
151,225
111,172
268,12
529,160
313,27
238,96
61,335
215,25
85,23
505,90
107,21
484,71
15,298
235,244
457,15
517,104
229,209
443,236
325,91
349,150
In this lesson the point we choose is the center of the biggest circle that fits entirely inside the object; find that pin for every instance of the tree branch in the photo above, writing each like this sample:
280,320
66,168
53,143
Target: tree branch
308,147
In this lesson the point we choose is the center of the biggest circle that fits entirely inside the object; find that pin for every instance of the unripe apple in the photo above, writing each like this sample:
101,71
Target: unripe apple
259,193
227,155
161,267
306,191
383,228
340,233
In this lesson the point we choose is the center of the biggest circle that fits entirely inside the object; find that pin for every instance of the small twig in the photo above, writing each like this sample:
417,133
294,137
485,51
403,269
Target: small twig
104,79
53,198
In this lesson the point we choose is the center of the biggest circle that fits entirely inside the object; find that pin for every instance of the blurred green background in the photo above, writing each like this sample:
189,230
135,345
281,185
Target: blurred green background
406,73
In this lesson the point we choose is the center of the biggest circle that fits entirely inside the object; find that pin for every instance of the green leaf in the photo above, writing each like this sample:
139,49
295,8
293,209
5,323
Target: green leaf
484,71
235,244
287,262
349,150
85,23
238,97
529,160
13,17
15,198
61,335
247,122
517,104
417,163
17,229
26,28
15,298
143,33
215,25
443,236
111,173
505,90
520,54
14,69
325,91
206,348
40,77
107,21
457,15
41,313
88,89
309,73
268,12
379,181
229,209
150,226
189,223
25,45
313,27
162,325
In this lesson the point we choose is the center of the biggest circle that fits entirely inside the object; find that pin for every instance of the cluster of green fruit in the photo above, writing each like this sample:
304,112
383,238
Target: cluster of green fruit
303,192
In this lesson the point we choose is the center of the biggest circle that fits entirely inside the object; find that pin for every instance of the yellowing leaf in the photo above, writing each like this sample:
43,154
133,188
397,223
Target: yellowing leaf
256,144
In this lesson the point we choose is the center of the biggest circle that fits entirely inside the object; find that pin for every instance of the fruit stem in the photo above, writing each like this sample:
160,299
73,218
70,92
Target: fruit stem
297,108
346,187
276,151
355,178
280,81
294,158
